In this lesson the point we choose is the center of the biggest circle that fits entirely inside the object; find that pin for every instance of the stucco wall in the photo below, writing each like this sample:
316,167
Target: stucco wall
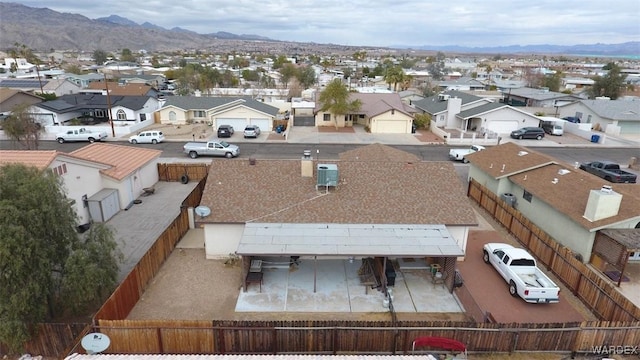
78,181
220,240
403,120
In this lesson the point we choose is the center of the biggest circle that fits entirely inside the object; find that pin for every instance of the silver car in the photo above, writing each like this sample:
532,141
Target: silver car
251,131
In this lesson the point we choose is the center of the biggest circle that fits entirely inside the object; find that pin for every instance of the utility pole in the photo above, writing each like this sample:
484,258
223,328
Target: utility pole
106,87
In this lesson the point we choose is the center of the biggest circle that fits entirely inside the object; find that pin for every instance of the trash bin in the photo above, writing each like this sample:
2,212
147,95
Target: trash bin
390,273
595,138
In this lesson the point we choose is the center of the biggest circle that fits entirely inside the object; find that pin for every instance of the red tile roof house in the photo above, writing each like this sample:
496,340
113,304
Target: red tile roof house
383,113
567,203
100,179
379,202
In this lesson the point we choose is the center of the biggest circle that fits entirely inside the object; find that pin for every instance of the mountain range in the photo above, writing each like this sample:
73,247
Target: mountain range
44,29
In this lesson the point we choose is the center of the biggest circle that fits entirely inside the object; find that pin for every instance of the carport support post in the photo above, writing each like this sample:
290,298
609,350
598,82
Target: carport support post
315,273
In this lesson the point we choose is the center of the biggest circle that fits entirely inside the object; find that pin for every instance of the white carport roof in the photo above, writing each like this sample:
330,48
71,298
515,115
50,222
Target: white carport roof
402,240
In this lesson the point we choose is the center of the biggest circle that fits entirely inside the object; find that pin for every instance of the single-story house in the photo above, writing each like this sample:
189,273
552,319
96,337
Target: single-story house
99,179
531,97
58,87
614,117
216,111
443,111
83,80
96,108
383,113
570,204
462,84
121,89
11,98
375,201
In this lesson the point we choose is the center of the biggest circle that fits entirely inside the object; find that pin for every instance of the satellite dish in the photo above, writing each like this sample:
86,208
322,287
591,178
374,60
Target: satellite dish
95,343
203,211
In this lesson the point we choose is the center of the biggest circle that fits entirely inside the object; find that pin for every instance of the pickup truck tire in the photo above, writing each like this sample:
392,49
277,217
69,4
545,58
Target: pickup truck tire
608,178
92,140
513,289
60,140
485,257
464,160
134,141
193,154
228,155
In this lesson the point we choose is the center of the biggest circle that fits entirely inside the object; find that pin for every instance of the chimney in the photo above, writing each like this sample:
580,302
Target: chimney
602,204
306,164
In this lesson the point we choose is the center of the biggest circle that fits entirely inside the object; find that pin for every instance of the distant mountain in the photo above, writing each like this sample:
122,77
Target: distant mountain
45,29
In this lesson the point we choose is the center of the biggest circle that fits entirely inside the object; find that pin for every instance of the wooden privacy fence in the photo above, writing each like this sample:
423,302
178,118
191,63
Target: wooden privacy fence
175,172
355,337
595,292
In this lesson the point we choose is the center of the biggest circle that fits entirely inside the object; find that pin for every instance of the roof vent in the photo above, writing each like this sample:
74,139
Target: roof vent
327,175
607,189
563,172
522,153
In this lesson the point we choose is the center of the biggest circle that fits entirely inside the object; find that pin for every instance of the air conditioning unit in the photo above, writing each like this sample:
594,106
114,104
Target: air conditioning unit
327,175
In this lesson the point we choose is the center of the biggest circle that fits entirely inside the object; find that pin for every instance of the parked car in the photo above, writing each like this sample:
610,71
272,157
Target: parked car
225,131
211,148
573,119
552,128
460,154
81,135
147,137
251,131
609,171
528,133
519,269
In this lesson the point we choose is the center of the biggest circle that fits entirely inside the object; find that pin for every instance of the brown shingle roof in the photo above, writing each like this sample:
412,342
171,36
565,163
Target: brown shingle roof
116,89
391,192
378,152
507,159
123,159
571,192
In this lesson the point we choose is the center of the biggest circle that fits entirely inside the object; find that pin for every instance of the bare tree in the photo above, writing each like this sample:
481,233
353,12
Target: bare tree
22,128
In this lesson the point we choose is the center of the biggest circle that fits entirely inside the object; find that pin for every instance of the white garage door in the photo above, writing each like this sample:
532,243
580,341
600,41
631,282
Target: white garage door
391,127
263,124
237,123
503,126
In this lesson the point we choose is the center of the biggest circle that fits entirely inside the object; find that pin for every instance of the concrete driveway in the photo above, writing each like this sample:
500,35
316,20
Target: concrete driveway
491,292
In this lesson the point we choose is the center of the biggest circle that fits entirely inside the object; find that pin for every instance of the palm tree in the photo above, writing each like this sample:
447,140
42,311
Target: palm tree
394,76
335,99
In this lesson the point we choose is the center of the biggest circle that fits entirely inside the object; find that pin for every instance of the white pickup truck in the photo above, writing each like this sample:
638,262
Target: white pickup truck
460,154
81,134
519,269
211,148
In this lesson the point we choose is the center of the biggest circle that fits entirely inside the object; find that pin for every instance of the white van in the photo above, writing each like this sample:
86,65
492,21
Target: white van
552,128
147,137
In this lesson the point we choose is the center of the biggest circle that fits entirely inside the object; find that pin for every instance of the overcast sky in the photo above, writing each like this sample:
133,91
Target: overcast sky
474,23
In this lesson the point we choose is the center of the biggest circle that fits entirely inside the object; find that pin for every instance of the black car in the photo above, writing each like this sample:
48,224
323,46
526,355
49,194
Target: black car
528,133
573,119
225,131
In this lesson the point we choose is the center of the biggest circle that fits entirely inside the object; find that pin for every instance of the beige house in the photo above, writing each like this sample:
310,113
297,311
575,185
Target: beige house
10,99
374,201
380,113
570,204
216,111
99,179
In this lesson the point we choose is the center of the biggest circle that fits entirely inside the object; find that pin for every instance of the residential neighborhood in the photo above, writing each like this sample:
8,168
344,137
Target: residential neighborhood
375,235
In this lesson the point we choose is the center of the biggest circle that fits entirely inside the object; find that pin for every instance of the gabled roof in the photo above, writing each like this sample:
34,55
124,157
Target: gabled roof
22,83
378,152
569,195
374,104
614,109
539,94
507,159
54,84
124,160
77,102
482,109
121,89
208,103
6,94
434,105
386,191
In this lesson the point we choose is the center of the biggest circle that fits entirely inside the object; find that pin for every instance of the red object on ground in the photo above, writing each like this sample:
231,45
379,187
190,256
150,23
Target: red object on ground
440,343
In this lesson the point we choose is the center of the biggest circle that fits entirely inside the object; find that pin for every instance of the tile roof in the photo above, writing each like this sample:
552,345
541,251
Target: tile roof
507,159
569,195
369,192
41,159
124,160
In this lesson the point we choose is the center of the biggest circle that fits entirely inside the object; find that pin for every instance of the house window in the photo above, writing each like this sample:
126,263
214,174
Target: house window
393,111
527,195
60,169
172,116
198,113
326,117
100,114
143,117
361,116
588,119
121,115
